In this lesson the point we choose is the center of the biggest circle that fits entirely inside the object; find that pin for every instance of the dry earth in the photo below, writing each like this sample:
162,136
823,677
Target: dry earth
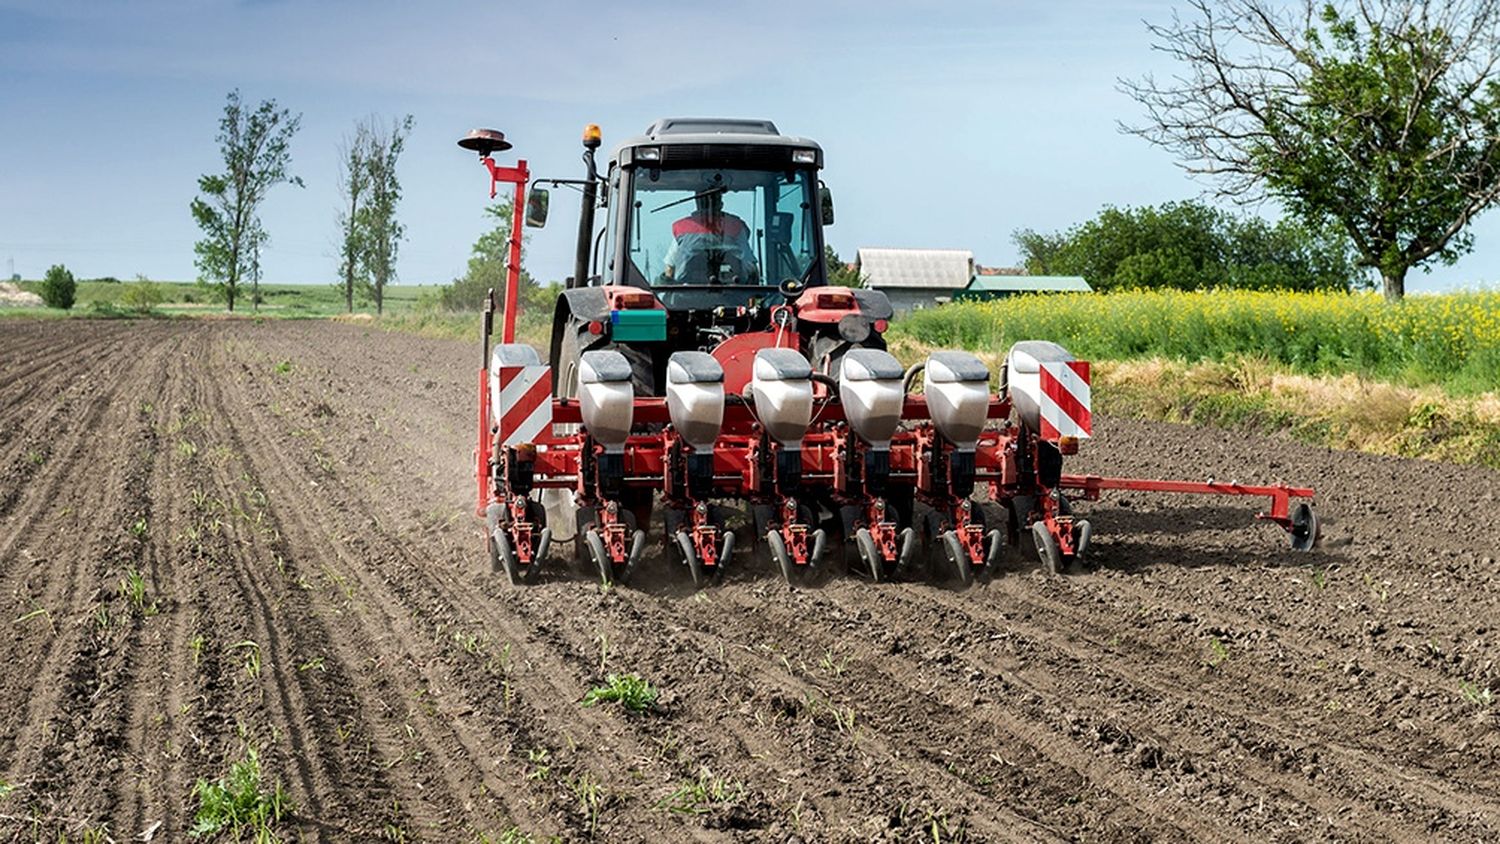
298,499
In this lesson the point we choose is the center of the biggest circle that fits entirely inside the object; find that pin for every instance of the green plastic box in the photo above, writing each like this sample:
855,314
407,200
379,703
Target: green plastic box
638,326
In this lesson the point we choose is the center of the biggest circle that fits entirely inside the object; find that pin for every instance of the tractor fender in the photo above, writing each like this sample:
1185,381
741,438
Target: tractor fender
873,304
585,303
576,308
828,305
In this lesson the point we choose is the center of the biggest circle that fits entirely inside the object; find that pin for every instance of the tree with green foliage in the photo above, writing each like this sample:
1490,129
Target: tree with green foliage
382,232
839,272
1382,118
1191,246
59,287
353,179
256,146
487,267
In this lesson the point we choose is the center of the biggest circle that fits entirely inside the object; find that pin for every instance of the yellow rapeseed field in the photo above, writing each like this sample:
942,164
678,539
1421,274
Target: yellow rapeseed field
1451,340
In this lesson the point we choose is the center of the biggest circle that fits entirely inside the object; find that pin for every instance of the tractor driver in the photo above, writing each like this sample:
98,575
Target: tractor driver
711,244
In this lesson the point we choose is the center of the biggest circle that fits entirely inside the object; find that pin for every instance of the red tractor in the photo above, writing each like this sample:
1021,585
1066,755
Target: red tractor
700,363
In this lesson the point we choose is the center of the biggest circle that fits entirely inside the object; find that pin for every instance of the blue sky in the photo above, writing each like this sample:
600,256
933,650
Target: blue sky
946,125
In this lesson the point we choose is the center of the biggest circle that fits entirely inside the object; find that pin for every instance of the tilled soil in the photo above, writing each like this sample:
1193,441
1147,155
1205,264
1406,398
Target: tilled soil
298,500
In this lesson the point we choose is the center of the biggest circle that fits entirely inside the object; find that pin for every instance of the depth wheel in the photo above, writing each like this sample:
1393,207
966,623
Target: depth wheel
782,558
1083,535
600,555
690,555
500,543
1304,528
537,513
958,557
1046,549
491,524
871,555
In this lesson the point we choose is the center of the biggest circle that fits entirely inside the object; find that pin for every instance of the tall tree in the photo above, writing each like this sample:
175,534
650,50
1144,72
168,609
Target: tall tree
382,231
354,178
256,149
487,267
1381,116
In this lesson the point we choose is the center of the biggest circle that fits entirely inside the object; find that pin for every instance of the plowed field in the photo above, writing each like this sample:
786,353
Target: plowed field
297,499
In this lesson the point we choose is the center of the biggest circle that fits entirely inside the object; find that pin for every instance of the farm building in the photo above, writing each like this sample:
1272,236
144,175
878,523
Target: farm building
997,286
916,278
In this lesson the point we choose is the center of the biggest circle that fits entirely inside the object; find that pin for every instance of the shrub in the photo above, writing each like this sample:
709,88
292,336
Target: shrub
142,296
58,287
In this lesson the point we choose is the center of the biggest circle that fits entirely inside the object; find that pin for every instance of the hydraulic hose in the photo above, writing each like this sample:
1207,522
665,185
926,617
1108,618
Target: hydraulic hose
911,375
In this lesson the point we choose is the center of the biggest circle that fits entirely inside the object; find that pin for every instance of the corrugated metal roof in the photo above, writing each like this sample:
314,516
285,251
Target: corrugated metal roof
1025,283
934,269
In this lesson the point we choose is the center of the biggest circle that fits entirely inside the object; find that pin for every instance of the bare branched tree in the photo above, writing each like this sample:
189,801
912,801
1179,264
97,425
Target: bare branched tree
1381,116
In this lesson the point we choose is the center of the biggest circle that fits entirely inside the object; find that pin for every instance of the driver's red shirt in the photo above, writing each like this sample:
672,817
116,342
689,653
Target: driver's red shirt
729,226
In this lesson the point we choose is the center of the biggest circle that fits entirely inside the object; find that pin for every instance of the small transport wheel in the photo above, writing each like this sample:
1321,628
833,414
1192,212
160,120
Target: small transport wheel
958,557
1046,549
1304,528
600,554
871,555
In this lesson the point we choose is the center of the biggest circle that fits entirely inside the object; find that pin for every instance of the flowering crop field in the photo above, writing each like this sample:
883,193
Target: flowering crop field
1451,340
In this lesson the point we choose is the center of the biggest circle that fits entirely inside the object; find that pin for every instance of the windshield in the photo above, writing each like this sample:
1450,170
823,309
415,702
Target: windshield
721,226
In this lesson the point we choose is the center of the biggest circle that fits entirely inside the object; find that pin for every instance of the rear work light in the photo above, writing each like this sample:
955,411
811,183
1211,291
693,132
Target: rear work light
804,156
648,154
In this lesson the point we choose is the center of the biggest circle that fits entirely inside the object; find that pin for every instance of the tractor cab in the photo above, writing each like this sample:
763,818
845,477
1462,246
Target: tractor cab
714,213
713,235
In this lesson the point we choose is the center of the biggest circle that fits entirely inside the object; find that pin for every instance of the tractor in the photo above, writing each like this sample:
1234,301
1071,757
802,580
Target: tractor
701,365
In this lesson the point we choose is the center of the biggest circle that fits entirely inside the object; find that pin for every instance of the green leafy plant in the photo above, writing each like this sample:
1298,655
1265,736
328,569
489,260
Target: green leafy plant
591,797
133,589
629,690
1218,652
252,656
538,758
240,803
1476,694
703,794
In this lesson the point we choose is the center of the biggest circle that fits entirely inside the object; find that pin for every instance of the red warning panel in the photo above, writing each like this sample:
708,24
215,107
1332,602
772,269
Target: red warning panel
524,404
1065,400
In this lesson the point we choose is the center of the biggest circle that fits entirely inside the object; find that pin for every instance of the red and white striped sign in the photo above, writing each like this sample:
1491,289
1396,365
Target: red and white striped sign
1065,400
524,403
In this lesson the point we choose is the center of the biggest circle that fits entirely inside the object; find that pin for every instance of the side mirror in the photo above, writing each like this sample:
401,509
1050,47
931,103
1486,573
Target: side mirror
825,199
536,207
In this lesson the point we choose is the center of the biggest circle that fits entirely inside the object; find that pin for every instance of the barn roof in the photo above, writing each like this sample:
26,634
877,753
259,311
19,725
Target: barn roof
1028,283
932,269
